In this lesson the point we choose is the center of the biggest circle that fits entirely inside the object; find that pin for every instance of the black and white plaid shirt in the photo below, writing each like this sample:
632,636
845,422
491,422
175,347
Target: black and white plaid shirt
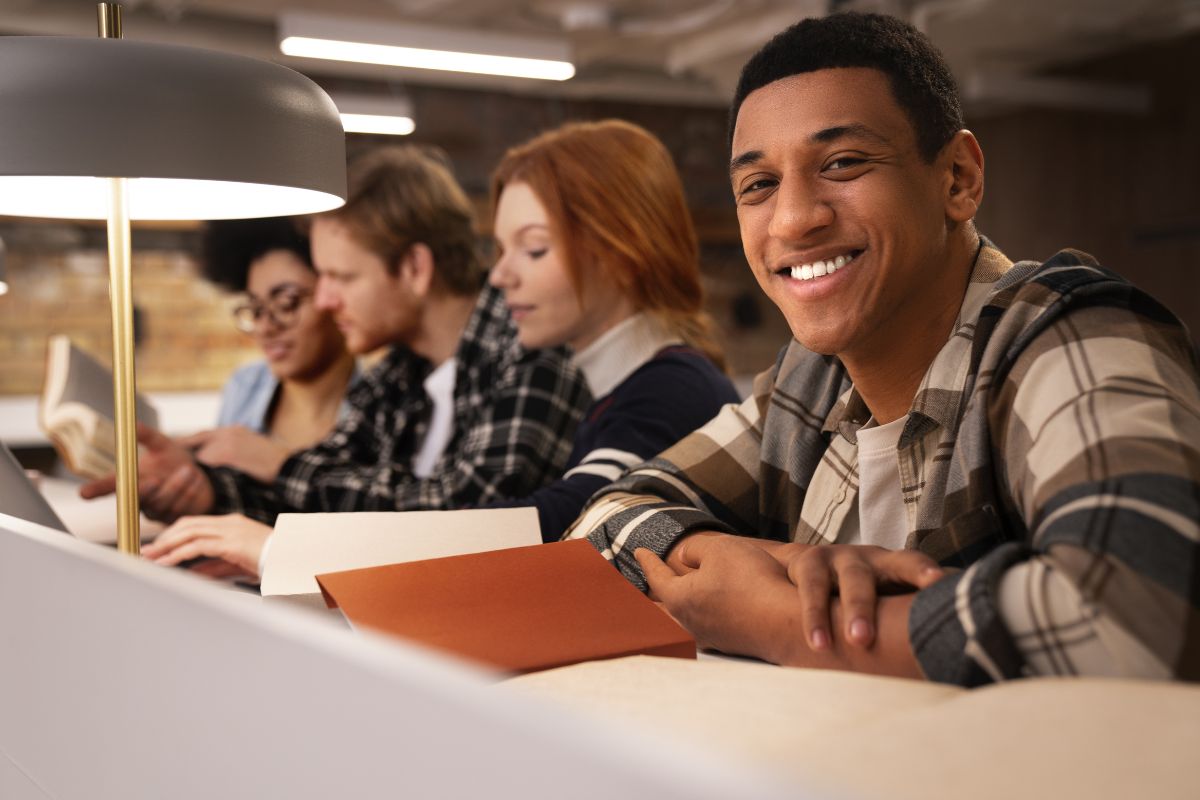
515,413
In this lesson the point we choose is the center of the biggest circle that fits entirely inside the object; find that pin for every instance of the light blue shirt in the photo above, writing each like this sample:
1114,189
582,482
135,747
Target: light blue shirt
247,396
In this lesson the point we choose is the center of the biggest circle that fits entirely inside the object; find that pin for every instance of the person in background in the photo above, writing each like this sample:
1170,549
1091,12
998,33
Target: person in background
605,260
292,397
456,414
961,468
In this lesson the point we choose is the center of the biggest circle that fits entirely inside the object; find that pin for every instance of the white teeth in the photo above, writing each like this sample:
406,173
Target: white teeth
818,269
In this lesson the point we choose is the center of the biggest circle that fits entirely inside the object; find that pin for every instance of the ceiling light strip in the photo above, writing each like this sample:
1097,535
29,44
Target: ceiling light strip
418,58
376,123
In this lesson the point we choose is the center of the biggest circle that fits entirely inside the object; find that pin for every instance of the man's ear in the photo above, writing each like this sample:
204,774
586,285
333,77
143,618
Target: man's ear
964,177
416,268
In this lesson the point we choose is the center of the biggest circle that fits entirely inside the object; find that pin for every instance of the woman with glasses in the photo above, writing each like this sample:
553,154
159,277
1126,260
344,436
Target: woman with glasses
596,250
292,398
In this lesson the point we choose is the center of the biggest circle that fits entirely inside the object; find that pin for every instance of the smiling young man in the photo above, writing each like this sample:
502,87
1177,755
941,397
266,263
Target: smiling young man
961,468
456,414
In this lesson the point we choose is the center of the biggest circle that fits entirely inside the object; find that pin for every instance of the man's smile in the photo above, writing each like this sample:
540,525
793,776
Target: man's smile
817,268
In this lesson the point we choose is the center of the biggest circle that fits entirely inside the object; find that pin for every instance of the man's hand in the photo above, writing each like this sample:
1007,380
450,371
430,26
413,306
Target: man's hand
732,595
170,483
858,573
737,595
237,542
240,448
693,544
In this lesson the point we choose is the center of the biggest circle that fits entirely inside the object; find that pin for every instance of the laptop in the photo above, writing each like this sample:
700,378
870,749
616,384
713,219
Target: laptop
93,521
20,498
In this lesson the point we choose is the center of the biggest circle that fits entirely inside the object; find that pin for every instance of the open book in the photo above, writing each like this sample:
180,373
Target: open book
76,409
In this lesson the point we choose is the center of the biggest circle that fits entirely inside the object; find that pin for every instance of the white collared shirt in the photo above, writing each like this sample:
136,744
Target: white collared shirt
618,353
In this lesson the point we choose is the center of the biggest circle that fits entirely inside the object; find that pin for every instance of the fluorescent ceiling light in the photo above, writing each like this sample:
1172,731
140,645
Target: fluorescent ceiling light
424,47
367,114
373,123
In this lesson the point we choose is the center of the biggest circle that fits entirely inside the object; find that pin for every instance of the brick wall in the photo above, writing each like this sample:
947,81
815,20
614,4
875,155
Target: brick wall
187,339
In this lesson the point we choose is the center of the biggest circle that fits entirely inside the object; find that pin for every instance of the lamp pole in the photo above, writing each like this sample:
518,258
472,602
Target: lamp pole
108,18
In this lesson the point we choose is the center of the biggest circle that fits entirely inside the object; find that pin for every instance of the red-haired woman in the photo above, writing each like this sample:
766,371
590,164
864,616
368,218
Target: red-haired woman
596,250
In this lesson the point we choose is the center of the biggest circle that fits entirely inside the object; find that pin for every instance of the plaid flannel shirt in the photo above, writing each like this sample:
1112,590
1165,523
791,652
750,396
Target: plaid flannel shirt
1051,453
515,413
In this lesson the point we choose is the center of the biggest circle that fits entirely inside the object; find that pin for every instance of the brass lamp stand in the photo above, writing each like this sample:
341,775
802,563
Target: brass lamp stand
120,289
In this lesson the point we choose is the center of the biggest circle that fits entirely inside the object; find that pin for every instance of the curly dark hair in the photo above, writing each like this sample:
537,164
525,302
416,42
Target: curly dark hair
920,78
230,246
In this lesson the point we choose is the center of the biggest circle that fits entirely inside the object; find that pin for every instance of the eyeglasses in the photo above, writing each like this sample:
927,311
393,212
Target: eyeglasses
281,308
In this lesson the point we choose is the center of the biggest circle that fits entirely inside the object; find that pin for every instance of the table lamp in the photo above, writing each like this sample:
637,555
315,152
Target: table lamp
113,129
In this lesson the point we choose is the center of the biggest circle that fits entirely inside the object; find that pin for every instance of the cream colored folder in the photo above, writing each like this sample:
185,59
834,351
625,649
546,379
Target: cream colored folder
305,545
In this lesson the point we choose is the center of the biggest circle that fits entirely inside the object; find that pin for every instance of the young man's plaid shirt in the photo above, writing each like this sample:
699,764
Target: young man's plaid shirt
1052,452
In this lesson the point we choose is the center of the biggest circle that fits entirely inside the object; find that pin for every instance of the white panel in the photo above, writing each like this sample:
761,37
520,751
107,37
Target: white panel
120,679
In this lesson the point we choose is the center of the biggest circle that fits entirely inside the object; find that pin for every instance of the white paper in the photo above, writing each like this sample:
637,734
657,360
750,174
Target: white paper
306,545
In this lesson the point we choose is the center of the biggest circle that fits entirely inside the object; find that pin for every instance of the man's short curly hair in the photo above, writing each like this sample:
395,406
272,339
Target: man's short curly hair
920,78
229,247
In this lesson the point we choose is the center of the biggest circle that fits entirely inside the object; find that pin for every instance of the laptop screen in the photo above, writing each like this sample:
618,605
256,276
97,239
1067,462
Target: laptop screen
20,498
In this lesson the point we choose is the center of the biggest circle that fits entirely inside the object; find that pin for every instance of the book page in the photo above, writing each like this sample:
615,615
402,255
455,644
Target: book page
74,376
76,409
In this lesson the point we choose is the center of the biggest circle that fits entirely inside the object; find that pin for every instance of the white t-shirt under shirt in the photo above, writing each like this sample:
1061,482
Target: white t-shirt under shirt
882,519
439,385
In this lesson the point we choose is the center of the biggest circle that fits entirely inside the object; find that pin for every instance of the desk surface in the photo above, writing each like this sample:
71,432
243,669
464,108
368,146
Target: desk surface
90,520
869,737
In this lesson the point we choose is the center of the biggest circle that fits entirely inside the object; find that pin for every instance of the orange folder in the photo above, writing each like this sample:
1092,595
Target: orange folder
520,610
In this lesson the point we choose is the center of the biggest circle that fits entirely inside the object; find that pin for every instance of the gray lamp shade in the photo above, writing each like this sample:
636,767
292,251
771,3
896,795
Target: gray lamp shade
202,135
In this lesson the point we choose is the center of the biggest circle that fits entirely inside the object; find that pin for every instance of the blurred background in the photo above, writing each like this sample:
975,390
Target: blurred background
1088,112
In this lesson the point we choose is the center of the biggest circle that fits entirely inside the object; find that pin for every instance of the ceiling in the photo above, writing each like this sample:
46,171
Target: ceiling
675,51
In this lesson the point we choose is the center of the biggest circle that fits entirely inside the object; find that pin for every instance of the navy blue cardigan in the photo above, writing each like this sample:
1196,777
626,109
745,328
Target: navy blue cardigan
662,401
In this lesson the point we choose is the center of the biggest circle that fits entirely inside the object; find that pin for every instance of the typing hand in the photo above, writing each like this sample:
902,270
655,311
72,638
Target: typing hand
235,541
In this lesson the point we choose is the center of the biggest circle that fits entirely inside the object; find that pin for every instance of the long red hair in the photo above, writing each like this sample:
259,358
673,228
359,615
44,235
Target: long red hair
615,204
